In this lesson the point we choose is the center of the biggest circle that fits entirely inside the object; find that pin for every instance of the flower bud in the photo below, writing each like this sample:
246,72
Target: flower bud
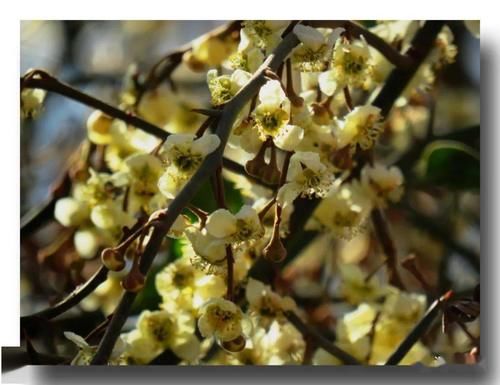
254,166
113,259
70,212
134,281
80,173
98,127
192,62
31,102
234,346
321,115
343,159
271,174
87,242
257,167
275,251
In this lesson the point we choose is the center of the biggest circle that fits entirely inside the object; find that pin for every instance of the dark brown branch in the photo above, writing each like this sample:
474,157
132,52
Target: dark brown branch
418,331
207,111
348,98
230,273
47,82
73,299
384,236
319,340
77,295
421,45
39,215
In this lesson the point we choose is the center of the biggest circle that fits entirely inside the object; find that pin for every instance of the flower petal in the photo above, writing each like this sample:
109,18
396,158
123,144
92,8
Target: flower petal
309,36
221,223
327,82
207,144
187,347
178,140
87,242
289,137
271,94
239,78
288,193
205,327
70,212
76,339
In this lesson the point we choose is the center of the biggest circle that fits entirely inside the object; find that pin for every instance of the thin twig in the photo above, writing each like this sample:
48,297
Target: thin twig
218,187
71,300
77,295
40,214
418,331
348,98
98,329
319,340
47,82
265,209
384,236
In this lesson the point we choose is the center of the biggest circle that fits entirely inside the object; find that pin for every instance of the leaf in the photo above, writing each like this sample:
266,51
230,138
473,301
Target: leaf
205,200
234,199
451,164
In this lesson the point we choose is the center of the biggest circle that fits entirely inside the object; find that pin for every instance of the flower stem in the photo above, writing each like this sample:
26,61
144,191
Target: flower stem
348,98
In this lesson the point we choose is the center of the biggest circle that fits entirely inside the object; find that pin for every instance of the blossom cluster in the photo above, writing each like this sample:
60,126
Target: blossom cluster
314,129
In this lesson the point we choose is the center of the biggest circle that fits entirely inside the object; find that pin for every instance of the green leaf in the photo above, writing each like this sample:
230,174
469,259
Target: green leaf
205,200
451,164
234,199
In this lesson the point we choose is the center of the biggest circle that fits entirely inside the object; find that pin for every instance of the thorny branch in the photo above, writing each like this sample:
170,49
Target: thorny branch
406,64
206,169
